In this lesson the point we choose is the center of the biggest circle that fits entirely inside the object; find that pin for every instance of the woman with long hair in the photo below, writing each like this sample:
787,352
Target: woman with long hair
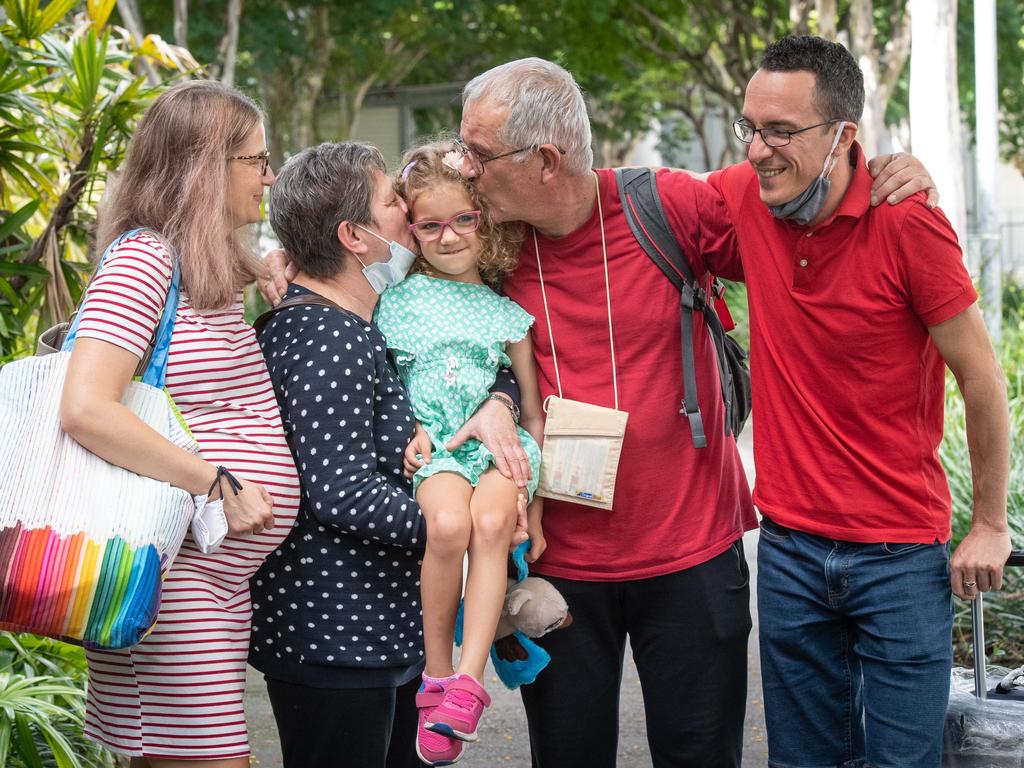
195,173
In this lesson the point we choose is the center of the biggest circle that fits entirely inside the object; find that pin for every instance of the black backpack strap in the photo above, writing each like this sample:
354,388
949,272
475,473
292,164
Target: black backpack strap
302,300
645,215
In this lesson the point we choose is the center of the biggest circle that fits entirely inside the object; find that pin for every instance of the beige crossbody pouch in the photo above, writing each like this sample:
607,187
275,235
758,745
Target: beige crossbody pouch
582,442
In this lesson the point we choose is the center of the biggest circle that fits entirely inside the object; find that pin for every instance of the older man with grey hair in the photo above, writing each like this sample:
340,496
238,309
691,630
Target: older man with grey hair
665,567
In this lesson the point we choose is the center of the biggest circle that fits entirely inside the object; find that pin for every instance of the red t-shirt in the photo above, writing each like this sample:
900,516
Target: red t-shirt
675,506
847,384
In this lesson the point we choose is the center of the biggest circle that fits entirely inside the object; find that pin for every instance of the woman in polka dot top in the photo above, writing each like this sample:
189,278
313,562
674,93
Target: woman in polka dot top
336,609
449,333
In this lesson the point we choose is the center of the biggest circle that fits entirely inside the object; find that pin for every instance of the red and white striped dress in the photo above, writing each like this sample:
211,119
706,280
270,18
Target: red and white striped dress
178,694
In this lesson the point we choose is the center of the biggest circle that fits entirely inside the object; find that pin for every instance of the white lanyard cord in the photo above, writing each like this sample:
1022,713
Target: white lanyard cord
608,296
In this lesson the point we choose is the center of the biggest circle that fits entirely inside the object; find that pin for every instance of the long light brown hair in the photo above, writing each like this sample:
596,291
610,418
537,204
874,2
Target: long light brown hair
424,168
174,181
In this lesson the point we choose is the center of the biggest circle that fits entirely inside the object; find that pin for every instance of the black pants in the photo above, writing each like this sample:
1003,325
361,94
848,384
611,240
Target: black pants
346,728
688,631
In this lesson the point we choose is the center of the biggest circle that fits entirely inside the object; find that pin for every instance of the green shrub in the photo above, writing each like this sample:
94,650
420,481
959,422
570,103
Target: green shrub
42,705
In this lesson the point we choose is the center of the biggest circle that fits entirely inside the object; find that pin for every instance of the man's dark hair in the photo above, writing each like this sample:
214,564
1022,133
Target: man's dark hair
315,191
839,83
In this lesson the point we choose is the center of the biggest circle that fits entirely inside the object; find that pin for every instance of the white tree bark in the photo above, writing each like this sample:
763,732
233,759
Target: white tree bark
827,17
935,132
881,69
231,47
131,18
181,23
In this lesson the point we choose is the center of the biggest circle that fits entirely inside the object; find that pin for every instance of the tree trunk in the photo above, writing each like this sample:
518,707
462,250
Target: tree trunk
800,16
828,15
862,41
881,70
319,44
181,23
129,10
231,48
278,93
935,130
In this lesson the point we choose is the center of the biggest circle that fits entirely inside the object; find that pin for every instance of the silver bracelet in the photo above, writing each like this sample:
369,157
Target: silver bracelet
508,403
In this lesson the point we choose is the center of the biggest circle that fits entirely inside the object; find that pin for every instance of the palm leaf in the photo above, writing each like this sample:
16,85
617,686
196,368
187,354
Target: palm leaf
54,12
14,221
99,11
26,743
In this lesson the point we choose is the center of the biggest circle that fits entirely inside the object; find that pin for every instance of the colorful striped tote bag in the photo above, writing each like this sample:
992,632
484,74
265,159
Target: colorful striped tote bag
84,544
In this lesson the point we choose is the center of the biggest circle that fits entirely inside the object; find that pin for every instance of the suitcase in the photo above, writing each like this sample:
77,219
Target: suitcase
985,718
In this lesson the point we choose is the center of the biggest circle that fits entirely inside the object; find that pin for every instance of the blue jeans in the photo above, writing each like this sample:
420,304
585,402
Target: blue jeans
856,650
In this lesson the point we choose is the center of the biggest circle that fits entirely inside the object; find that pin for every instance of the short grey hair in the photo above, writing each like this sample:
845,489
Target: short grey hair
315,191
545,106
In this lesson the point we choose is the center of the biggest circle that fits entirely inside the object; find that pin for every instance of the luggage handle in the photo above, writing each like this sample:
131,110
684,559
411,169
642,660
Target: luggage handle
1016,559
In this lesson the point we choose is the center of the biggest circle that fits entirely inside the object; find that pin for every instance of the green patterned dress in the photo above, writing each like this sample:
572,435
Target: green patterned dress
448,340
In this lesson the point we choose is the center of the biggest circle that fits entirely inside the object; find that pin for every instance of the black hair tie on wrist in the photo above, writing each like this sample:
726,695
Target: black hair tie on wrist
222,472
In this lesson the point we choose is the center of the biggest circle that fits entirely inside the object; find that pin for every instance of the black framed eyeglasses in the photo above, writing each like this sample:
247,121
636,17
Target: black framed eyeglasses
261,161
464,223
773,137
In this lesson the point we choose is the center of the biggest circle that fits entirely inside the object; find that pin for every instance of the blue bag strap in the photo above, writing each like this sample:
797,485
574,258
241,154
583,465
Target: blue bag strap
156,370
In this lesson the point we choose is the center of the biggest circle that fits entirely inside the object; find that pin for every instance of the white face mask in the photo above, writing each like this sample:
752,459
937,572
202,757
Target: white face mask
381,275
209,524
806,206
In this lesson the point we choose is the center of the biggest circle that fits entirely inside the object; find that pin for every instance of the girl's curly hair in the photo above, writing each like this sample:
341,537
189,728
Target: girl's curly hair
424,168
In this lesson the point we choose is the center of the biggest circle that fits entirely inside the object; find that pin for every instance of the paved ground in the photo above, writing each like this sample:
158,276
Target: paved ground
503,740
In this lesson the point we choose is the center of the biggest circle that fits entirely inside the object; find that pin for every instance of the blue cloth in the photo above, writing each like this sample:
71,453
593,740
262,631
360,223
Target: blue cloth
514,673
855,650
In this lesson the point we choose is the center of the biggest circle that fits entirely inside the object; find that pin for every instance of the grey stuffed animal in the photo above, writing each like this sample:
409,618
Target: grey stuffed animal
532,606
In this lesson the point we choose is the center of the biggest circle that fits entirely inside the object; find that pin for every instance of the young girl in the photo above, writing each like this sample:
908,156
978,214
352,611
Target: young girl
450,332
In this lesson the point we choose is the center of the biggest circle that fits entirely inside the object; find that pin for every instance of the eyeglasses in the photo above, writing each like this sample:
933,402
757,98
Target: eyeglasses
263,158
773,137
478,159
464,223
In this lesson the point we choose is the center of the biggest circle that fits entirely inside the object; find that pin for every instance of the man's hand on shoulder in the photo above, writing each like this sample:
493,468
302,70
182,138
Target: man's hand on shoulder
280,272
897,177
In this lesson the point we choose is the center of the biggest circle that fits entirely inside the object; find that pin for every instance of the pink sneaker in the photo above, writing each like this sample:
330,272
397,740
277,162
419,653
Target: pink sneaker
433,748
458,714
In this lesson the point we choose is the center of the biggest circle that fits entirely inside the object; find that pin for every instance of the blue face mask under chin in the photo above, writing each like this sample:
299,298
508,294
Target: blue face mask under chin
806,206
382,275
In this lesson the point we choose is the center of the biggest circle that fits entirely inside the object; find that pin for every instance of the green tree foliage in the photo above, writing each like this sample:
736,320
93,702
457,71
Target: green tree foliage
69,96
1010,72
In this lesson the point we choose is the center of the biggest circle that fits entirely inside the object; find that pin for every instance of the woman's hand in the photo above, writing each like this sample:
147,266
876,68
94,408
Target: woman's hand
535,530
417,452
281,272
250,510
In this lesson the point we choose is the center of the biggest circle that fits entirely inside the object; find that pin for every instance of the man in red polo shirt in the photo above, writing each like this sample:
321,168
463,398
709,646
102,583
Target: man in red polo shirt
854,312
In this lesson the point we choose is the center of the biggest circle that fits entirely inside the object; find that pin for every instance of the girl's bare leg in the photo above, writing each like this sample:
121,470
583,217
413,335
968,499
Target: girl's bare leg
444,500
493,510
